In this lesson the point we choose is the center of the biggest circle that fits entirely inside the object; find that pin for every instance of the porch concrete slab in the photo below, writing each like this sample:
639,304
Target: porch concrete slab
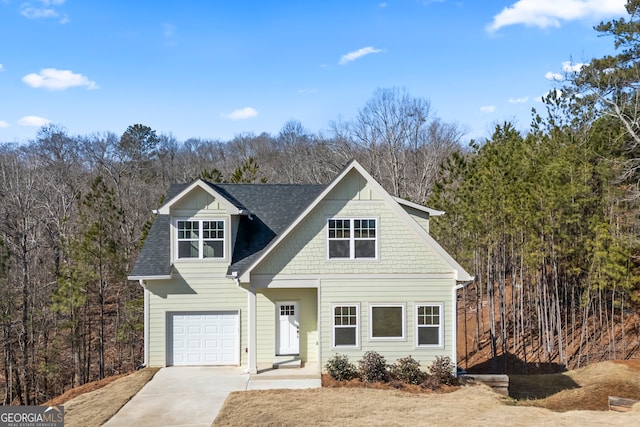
276,382
181,396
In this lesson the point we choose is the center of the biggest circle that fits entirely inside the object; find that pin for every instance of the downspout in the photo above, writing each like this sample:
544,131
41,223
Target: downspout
319,323
455,322
145,338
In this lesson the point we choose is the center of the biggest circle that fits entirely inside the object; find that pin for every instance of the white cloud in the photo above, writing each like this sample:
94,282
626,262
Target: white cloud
567,67
37,12
33,121
553,76
488,108
3,124
45,10
352,56
1,67
53,79
241,114
518,100
558,93
550,13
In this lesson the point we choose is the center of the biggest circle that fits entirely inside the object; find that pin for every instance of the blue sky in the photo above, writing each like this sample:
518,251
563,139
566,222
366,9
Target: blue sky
214,69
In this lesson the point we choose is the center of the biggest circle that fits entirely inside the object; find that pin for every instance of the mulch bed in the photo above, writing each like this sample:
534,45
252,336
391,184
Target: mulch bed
329,382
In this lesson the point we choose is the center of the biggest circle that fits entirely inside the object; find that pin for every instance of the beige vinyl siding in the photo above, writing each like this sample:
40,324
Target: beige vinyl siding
199,204
406,292
420,217
201,267
400,250
193,295
266,300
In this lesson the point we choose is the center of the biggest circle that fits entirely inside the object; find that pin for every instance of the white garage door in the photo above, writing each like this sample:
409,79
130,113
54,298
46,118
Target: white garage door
204,338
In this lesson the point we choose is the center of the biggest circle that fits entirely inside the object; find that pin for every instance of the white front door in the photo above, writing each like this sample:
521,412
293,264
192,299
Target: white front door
288,328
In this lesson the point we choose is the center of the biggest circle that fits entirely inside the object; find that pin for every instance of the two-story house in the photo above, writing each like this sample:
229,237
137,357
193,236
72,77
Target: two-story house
255,274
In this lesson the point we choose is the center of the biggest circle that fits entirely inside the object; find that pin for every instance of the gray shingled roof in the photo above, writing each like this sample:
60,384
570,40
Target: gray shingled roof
273,207
154,258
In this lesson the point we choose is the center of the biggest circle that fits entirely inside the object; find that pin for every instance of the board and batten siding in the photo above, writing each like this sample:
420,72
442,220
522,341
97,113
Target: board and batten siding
401,291
197,200
266,318
195,294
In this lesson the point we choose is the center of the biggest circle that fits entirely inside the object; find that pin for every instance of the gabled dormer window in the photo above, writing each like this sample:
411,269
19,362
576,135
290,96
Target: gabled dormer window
198,239
351,238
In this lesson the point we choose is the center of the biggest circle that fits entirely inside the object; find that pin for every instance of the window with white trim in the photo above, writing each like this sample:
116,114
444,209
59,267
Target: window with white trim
199,239
387,322
429,325
345,325
350,238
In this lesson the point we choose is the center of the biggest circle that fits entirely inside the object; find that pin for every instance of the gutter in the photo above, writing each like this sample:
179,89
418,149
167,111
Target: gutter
465,283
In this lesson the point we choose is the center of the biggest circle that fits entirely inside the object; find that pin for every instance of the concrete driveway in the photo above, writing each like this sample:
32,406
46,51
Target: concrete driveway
181,396
192,396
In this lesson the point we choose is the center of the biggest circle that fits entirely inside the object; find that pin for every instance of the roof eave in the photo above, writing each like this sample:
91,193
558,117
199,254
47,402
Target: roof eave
149,277
431,212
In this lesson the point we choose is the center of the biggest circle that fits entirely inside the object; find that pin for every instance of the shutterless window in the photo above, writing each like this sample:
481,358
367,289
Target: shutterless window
364,238
352,238
345,326
429,325
387,321
200,239
213,239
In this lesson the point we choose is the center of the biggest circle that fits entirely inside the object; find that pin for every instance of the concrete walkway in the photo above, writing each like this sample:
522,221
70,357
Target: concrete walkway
192,396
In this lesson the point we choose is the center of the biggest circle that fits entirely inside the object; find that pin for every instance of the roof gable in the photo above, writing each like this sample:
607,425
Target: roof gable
231,206
364,188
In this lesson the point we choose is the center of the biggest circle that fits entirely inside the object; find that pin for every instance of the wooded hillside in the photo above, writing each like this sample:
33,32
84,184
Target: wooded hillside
547,220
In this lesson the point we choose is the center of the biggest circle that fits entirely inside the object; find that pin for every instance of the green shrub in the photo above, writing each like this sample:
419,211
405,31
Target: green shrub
407,370
340,369
442,371
373,367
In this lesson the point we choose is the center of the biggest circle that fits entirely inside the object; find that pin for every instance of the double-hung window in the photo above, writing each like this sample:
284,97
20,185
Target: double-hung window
429,325
387,322
345,325
200,239
350,238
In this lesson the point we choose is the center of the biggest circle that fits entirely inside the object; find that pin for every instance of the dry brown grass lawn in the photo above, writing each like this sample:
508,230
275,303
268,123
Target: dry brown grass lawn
586,388
473,405
94,403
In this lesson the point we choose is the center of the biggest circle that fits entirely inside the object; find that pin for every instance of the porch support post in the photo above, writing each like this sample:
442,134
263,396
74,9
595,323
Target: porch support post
252,339
319,327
